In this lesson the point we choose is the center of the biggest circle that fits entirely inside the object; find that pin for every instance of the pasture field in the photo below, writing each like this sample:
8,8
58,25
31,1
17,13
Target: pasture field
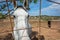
47,33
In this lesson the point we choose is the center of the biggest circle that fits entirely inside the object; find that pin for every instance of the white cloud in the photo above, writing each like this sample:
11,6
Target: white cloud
52,9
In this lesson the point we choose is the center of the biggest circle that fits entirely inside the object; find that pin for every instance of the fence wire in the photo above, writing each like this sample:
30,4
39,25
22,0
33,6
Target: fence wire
39,27
10,20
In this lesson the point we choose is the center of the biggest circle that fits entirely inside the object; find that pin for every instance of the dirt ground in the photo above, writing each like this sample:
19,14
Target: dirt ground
46,33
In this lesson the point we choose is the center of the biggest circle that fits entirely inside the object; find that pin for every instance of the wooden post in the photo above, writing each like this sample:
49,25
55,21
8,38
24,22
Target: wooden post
49,24
39,28
9,15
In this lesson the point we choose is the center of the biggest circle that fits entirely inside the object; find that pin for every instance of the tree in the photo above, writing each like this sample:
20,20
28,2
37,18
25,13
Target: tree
2,16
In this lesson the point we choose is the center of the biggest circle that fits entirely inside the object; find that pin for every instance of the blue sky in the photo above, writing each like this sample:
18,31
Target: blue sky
48,8
34,8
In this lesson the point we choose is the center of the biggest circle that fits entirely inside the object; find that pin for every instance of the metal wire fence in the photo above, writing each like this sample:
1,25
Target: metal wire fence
7,27
6,24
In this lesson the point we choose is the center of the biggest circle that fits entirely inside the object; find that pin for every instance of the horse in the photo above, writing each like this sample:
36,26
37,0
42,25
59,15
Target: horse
22,28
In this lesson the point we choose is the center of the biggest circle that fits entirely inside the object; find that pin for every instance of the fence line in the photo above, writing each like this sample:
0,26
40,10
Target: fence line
29,28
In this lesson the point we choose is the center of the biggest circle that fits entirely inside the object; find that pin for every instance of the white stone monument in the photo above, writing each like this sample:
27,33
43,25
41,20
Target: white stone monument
22,28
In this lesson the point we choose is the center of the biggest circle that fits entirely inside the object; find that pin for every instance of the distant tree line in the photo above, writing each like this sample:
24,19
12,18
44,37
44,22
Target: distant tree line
45,17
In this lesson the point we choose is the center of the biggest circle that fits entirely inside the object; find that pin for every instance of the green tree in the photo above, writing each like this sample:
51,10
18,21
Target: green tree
2,16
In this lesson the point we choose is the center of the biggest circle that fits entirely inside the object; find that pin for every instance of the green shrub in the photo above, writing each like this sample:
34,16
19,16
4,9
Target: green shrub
2,16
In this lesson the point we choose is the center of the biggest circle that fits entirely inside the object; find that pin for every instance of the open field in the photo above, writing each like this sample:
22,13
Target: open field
47,33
